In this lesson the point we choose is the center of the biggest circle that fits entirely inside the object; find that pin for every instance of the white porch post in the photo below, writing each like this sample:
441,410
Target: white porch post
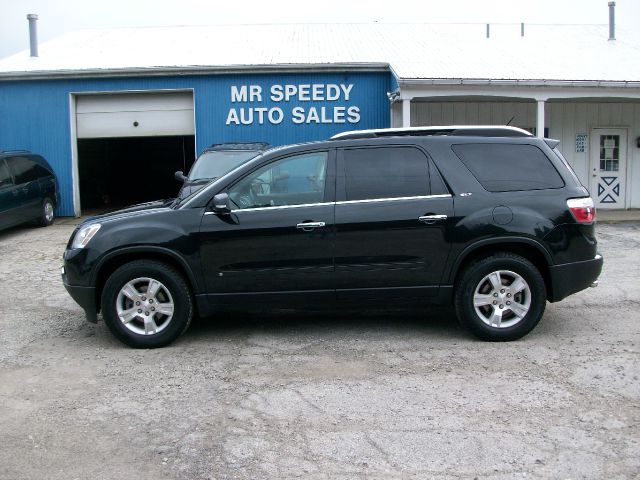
406,112
540,119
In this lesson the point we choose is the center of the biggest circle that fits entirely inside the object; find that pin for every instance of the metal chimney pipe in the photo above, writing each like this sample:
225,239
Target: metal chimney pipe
522,29
33,33
612,20
488,30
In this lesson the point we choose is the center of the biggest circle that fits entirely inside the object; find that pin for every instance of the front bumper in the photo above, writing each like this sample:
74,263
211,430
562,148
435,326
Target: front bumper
83,296
569,278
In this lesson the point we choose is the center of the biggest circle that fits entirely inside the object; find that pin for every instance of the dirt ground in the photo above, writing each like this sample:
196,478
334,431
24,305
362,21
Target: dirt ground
378,394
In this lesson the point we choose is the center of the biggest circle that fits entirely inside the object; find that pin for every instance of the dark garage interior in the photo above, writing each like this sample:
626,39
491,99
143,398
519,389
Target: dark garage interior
116,172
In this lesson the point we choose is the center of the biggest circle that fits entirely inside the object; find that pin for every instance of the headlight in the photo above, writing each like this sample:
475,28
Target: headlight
84,235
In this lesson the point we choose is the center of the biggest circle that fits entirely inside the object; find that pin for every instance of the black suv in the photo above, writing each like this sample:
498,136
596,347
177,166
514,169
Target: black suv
214,162
489,219
28,189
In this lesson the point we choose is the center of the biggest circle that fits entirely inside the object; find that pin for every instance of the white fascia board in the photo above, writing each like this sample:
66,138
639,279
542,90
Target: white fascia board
194,70
518,82
529,91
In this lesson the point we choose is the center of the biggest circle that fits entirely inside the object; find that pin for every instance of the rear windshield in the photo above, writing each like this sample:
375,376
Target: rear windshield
501,167
215,164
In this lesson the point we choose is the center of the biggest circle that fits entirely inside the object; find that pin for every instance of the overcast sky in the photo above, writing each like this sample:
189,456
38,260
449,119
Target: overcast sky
60,16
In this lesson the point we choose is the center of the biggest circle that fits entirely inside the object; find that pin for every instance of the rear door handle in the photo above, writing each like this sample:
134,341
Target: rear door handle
430,219
308,226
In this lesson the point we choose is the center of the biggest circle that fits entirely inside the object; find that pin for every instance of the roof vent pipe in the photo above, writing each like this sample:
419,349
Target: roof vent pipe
488,29
522,29
612,20
33,33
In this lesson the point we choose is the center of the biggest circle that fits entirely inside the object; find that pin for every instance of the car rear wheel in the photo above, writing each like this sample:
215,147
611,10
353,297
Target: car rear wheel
501,297
46,213
146,304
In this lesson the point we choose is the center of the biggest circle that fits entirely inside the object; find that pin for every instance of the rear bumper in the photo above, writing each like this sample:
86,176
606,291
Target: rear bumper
570,278
83,296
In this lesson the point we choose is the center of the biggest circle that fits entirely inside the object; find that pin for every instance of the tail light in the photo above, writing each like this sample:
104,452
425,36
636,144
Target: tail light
582,209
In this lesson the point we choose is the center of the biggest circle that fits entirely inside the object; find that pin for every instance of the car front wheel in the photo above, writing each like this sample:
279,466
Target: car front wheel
501,297
146,304
46,213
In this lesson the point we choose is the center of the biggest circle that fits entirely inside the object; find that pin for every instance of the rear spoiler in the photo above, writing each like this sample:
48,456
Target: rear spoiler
552,143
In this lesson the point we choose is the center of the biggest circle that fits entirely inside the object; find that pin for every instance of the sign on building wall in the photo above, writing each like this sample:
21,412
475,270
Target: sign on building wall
581,142
293,104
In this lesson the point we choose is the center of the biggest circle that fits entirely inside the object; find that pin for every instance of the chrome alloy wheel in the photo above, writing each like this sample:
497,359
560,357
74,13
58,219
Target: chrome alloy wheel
502,299
48,211
145,306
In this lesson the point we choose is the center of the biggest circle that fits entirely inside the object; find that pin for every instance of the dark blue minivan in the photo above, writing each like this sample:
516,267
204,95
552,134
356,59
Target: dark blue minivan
28,189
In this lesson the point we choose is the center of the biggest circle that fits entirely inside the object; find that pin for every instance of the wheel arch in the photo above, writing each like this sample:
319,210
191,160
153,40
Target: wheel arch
525,247
111,262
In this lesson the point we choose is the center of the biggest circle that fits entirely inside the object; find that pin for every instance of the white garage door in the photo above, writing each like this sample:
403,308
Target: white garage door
134,115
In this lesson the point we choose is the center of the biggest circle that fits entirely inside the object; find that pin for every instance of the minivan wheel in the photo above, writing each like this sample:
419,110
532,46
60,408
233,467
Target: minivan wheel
146,304
46,213
501,297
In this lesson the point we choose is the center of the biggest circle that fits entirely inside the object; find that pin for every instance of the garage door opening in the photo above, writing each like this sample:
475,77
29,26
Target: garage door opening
129,145
116,172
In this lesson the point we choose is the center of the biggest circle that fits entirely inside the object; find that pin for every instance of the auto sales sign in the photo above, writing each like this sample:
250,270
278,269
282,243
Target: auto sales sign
293,104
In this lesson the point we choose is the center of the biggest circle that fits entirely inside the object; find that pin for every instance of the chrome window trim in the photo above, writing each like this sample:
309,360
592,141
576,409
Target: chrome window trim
281,207
344,202
393,199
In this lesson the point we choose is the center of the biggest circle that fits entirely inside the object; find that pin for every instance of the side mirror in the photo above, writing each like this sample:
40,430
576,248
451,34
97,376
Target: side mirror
221,203
179,175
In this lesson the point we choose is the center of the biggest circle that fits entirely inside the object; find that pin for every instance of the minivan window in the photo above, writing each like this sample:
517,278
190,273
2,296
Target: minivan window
385,172
23,170
295,180
501,167
5,176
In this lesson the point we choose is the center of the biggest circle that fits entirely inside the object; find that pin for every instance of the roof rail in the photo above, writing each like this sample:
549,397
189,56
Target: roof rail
238,146
456,130
15,151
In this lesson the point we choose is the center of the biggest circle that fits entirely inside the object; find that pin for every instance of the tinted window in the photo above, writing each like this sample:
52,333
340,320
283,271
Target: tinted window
40,171
504,167
5,176
293,180
389,172
24,170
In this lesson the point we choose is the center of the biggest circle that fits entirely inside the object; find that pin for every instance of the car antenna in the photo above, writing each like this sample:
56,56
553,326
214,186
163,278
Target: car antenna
510,120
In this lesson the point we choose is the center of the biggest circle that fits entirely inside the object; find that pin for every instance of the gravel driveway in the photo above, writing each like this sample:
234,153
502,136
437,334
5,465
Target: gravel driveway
380,395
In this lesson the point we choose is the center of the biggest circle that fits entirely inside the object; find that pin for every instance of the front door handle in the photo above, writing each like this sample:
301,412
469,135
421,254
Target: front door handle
431,219
308,226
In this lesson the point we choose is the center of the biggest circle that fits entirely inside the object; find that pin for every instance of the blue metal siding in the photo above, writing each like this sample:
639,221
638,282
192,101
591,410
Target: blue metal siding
35,115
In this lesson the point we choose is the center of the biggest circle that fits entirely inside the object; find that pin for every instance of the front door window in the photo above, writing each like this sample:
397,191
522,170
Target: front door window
297,180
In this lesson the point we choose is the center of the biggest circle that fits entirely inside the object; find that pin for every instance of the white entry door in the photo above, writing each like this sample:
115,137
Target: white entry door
608,167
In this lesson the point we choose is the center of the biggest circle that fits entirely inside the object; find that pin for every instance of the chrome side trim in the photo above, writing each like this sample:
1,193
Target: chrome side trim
394,199
344,202
281,207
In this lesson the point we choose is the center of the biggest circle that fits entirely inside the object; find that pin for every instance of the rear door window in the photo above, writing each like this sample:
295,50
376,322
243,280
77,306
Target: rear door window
501,167
24,170
385,172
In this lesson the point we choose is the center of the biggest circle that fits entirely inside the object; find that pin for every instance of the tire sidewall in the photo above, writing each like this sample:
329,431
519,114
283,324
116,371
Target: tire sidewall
472,277
171,279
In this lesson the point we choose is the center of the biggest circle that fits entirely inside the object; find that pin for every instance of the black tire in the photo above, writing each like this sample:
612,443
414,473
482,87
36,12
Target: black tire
493,321
173,291
46,212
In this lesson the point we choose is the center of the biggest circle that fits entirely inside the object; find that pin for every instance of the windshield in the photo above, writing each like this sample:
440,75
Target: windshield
215,164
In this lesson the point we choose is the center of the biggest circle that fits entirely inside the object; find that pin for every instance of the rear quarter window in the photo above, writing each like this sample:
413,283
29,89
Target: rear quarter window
501,167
